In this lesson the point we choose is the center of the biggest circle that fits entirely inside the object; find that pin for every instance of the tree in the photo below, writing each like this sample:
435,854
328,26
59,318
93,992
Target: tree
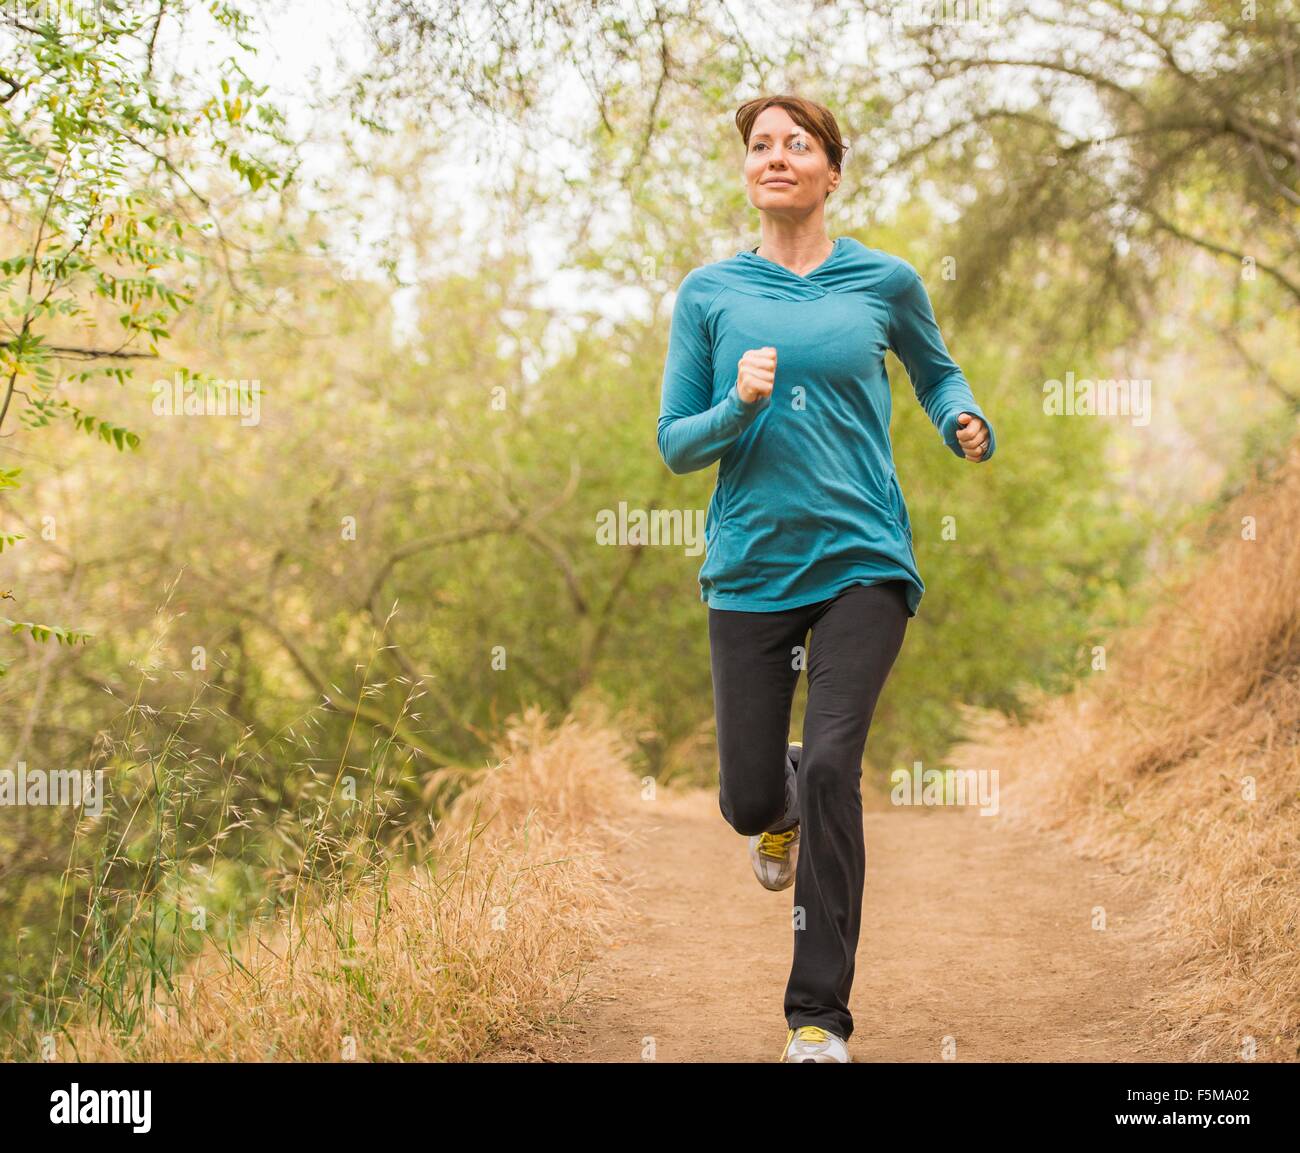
1126,129
102,210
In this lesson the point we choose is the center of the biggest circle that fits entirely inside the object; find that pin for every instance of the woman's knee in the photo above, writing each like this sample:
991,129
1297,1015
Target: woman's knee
751,813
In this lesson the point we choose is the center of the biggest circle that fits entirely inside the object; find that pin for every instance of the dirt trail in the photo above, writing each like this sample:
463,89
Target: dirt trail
970,930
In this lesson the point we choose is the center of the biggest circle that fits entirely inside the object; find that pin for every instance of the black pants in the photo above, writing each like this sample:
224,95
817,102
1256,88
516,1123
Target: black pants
756,659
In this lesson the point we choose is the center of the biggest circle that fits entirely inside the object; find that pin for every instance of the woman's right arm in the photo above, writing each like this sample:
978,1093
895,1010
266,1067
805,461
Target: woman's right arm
692,435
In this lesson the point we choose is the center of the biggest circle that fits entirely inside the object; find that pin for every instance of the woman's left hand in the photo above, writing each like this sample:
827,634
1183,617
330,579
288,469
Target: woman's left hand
973,436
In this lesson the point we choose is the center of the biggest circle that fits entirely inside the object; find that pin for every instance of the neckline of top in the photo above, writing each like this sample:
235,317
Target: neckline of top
836,247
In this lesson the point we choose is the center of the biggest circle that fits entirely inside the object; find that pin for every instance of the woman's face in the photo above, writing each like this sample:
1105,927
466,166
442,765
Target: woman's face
787,172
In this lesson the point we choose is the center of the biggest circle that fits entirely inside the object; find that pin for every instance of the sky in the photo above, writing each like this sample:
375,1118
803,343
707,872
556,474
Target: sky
306,49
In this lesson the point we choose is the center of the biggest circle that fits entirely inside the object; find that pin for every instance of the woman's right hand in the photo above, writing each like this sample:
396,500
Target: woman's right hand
756,374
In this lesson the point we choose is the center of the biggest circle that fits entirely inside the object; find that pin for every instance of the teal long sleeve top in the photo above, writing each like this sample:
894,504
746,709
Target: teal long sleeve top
807,501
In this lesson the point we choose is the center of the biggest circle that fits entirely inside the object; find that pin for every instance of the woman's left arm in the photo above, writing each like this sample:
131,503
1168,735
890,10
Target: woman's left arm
937,380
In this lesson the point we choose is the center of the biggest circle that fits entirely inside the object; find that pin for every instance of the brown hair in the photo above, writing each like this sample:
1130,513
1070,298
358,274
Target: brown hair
808,114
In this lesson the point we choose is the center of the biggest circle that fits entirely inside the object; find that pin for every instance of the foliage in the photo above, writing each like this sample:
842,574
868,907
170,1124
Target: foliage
97,158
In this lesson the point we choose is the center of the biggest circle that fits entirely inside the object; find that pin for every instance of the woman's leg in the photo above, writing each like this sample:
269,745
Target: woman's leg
755,671
856,637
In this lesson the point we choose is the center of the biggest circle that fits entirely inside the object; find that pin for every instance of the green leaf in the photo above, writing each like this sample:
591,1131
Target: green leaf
42,633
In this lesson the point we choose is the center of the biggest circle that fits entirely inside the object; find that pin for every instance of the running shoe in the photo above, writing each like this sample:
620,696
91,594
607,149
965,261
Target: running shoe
775,856
810,1043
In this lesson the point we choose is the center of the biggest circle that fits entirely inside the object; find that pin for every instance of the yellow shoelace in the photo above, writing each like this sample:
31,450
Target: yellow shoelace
811,1033
776,845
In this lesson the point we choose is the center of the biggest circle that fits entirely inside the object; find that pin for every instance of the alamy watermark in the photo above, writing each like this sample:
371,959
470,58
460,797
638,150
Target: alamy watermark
657,526
928,13
53,787
78,1106
187,396
1070,397
946,787
86,15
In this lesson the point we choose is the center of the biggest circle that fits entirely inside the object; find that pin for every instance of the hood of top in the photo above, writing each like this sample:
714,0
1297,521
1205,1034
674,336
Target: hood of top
850,265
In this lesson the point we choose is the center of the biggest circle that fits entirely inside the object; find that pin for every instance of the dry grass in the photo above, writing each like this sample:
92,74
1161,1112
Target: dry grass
482,946
1150,765
1179,764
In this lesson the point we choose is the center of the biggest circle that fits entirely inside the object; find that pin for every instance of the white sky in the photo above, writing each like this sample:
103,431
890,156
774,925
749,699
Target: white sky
308,47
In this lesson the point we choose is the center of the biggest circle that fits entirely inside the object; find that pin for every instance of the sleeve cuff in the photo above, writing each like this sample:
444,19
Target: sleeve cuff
740,408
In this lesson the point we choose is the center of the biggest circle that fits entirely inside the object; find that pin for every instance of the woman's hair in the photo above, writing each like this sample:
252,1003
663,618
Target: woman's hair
808,114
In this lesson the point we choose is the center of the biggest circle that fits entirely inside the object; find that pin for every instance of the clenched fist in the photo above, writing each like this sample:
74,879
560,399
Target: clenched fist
973,436
756,374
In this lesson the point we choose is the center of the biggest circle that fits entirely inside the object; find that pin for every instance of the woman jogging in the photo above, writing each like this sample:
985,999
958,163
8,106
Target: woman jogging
775,368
